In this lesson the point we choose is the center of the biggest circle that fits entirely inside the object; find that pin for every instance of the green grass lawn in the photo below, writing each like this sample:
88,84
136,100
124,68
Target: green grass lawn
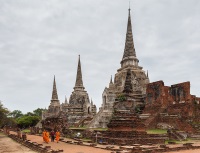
78,128
84,128
100,129
157,131
178,142
26,130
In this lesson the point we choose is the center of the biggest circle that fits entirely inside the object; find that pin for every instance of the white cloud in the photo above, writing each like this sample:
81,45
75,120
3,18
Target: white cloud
41,38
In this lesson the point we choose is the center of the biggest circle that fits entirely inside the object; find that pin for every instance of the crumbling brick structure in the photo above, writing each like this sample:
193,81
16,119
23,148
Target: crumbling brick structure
165,104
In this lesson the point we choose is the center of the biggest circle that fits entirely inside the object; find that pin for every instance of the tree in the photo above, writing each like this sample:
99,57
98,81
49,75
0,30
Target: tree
27,121
3,114
29,114
16,114
38,112
4,119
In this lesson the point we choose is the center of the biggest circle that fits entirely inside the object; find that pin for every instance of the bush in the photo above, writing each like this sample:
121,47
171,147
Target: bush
27,121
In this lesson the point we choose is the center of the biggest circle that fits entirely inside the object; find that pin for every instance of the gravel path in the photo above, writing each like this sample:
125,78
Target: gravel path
68,148
7,145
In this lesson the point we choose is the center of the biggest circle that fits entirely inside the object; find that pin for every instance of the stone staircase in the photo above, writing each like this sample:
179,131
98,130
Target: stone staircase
177,135
102,117
83,121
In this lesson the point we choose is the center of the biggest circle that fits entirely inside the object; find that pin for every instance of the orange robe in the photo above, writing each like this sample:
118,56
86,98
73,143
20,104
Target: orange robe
43,135
47,137
57,136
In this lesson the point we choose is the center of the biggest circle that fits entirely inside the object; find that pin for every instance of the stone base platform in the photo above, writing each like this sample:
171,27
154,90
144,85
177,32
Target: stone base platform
130,138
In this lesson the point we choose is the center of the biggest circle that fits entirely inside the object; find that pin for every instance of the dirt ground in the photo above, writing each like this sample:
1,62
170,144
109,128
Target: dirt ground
7,145
68,148
187,151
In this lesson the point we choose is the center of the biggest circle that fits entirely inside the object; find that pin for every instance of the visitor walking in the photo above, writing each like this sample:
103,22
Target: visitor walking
52,134
43,135
47,137
24,137
19,133
57,136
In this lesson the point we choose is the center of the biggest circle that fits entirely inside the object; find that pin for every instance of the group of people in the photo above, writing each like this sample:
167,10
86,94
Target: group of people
53,135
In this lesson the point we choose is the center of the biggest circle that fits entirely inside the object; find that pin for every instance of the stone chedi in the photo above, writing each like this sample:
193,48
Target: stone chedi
125,126
53,117
79,107
138,78
54,107
125,116
77,112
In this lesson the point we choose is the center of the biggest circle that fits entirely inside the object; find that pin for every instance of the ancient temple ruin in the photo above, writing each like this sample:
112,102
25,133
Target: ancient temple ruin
79,108
125,126
53,117
54,107
171,107
138,78
79,111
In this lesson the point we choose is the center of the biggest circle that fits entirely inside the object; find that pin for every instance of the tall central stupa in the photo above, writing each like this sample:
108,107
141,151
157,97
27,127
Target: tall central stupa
139,81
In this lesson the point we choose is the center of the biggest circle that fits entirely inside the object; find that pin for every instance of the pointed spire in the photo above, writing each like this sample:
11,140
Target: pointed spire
147,74
91,102
54,92
66,100
129,49
79,81
111,80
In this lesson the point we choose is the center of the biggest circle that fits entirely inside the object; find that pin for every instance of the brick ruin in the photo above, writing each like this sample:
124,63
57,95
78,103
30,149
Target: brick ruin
172,105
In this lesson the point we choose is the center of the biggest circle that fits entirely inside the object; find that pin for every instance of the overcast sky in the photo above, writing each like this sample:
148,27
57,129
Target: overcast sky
43,38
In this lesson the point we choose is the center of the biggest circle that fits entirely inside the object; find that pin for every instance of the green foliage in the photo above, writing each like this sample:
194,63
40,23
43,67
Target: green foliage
4,119
16,117
38,112
26,130
121,97
29,114
137,109
157,131
16,114
26,121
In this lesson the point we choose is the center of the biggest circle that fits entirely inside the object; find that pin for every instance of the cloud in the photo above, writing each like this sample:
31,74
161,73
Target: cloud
40,39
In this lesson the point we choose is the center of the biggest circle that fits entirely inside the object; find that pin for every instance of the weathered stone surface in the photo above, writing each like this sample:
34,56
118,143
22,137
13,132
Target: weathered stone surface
78,112
137,77
125,126
79,107
54,107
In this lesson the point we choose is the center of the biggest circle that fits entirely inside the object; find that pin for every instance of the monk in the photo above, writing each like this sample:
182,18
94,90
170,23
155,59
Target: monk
43,135
47,137
57,136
